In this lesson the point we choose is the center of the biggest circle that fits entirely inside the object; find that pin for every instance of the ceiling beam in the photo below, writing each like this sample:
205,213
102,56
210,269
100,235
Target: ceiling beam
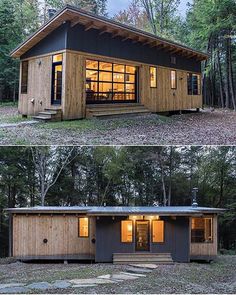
115,34
125,38
74,22
89,26
103,30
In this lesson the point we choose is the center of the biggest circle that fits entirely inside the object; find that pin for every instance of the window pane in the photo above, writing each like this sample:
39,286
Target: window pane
118,87
91,86
158,231
173,80
129,78
104,76
126,231
58,82
24,77
130,69
83,227
201,230
119,96
57,58
92,64
153,77
104,66
130,96
118,77
92,75
195,84
119,68
105,87
189,80
130,87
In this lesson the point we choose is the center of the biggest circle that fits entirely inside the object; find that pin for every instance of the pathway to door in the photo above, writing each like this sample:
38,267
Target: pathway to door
132,272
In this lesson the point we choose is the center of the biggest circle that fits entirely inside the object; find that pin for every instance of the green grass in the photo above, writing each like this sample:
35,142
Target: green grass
13,119
76,124
8,104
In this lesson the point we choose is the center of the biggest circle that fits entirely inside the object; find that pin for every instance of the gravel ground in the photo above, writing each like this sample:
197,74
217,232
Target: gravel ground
204,128
216,278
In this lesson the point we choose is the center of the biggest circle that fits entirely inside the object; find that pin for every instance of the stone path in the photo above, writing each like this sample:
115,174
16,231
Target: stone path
132,272
11,125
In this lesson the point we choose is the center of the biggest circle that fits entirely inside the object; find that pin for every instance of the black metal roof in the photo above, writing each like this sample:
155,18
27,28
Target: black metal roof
119,210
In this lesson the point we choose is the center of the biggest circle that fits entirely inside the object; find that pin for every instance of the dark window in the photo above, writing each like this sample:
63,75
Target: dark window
24,77
109,82
173,77
194,84
201,230
173,60
57,79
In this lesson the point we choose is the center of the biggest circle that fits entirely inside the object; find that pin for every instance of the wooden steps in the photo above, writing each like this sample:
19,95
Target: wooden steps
115,110
145,258
49,115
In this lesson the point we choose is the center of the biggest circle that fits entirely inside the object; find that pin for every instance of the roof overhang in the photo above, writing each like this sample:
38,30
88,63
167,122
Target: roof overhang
104,25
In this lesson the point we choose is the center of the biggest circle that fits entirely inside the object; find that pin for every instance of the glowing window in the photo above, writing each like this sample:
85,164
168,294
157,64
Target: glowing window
201,230
83,227
126,231
153,77
158,231
57,58
173,79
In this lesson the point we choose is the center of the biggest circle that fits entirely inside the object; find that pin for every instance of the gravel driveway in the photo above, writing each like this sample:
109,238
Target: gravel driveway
204,128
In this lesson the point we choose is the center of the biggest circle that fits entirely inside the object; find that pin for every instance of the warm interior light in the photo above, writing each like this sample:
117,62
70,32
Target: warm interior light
129,227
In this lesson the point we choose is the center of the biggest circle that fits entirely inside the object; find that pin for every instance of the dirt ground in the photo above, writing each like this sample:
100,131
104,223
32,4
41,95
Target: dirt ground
215,278
203,128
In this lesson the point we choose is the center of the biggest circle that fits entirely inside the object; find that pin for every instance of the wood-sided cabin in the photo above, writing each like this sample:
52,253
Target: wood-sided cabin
114,234
79,64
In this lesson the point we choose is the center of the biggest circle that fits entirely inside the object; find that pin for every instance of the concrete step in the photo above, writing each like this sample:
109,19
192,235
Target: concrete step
108,105
42,118
49,113
53,115
157,258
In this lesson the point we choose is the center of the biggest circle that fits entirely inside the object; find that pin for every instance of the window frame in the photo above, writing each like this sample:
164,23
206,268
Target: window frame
121,232
54,65
24,84
199,84
113,72
212,229
87,236
163,222
175,87
150,75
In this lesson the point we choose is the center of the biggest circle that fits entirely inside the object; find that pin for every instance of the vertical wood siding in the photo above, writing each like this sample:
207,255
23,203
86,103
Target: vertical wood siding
60,231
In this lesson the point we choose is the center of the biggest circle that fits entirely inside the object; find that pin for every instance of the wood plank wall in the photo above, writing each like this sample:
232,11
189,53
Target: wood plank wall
74,101
205,249
60,231
160,99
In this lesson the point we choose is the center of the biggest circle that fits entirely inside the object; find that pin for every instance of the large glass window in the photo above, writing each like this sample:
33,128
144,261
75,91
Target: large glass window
158,231
153,77
24,77
201,230
83,227
126,231
57,79
108,82
194,84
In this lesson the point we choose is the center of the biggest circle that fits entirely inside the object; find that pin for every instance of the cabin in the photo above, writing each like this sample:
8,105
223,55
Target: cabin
80,65
114,234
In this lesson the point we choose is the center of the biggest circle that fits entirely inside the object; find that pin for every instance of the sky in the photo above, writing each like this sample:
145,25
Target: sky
115,5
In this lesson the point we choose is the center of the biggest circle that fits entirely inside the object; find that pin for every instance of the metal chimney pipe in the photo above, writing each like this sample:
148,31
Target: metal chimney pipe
194,197
51,12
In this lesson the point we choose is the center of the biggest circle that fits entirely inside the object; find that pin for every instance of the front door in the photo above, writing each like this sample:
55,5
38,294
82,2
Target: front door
142,236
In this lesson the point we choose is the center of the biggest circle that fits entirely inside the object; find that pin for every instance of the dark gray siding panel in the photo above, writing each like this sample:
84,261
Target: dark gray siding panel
53,42
108,235
108,239
91,42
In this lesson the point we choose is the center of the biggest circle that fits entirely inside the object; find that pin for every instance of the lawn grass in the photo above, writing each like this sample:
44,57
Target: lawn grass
8,104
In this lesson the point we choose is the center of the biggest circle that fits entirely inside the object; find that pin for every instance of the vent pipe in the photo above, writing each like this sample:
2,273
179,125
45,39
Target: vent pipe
194,197
51,12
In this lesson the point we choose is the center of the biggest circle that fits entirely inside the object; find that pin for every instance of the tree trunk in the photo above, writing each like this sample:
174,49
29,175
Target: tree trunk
170,176
220,78
230,68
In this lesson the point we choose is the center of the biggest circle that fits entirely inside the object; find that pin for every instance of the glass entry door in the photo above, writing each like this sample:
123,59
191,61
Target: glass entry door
142,236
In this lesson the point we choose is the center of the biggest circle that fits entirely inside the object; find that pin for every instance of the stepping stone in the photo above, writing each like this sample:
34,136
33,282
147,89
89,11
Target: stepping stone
14,290
91,281
138,270
40,286
149,266
3,286
133,274
84,286
61,284
109,277
123,277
